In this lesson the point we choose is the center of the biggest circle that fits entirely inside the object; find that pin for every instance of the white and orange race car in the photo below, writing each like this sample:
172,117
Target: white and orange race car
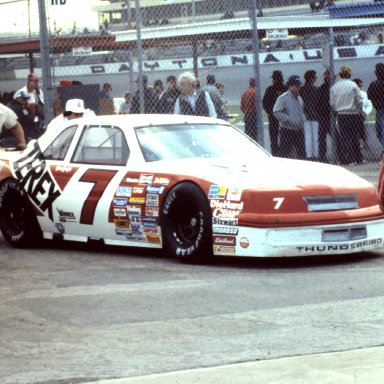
195,186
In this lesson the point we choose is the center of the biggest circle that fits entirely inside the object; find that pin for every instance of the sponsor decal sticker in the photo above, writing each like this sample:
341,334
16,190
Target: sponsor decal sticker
138,190
34,175
145,179
224,240
123,232
152,200
153,238
155,189
63,169
120,212
244,242
149,222
121,224
226,208
161,181
151,211
225,230
131,180
234,194
66,216
119,202
217,192
224,221
137,200
224,250
123,191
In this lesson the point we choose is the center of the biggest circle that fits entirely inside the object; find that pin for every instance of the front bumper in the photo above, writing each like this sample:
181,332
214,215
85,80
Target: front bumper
300,241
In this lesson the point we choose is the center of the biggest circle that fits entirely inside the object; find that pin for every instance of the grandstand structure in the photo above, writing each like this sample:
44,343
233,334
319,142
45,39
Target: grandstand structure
118,14
228,33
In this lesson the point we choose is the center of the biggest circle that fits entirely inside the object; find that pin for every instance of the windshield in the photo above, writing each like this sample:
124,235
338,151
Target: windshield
181,141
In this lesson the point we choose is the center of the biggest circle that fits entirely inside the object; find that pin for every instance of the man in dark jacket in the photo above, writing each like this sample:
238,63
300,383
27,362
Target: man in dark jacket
376,95
25,117
309,93
169,97
150,99
324,115
270,96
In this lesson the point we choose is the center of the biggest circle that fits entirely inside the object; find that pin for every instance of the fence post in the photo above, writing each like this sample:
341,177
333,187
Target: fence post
256,69
45,63
139,50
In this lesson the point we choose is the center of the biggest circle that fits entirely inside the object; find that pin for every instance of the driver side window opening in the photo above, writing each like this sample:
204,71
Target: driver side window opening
100,144
58,149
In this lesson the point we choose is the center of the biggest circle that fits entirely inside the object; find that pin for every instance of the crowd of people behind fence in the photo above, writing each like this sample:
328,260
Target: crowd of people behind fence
299,115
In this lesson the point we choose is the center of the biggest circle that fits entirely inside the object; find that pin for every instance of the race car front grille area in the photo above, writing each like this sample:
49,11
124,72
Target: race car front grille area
344,234
331,202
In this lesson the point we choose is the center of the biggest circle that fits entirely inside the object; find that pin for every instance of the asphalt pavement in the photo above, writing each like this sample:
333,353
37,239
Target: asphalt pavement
362,366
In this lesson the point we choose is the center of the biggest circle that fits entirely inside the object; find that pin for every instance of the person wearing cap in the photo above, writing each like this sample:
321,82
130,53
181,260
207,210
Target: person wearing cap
347,101
310,95
289,111
324,115
191,101
105,93
218,100
269,99
19,105
150,99
248,107
36,99
74,109
9,123
375,93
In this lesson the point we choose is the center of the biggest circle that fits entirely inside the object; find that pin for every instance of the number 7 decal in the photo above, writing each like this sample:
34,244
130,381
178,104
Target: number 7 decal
278,201
100,179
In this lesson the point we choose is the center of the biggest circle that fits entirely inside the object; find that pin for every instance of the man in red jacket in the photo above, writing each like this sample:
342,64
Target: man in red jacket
248,107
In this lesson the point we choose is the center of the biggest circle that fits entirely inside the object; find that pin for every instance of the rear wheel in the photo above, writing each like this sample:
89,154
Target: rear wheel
186,222
18,222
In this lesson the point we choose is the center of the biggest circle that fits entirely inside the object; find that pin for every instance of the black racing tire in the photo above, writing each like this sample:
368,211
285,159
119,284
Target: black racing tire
186,222
18,222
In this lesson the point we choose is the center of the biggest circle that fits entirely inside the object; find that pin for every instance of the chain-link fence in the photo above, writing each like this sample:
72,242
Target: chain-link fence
237,50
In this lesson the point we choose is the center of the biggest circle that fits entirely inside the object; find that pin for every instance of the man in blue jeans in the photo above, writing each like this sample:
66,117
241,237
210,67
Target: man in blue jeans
376,95
347,101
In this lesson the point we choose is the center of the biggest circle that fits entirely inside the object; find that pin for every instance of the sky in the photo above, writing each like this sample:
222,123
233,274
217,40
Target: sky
14,14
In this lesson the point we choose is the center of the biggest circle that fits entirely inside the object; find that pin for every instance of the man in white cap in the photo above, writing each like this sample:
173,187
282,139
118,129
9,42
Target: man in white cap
74,109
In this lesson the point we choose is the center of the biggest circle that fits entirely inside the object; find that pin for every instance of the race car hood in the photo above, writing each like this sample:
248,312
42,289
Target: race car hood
265,173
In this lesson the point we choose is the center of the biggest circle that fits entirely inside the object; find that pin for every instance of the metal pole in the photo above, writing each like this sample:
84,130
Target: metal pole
130,58
45,63
256,70
193,11
332,117
139,50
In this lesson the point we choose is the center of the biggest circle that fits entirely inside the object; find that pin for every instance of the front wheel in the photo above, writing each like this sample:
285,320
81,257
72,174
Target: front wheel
18,222
186,221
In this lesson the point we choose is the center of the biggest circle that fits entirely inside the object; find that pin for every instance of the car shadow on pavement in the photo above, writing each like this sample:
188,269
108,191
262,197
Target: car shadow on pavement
295,262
